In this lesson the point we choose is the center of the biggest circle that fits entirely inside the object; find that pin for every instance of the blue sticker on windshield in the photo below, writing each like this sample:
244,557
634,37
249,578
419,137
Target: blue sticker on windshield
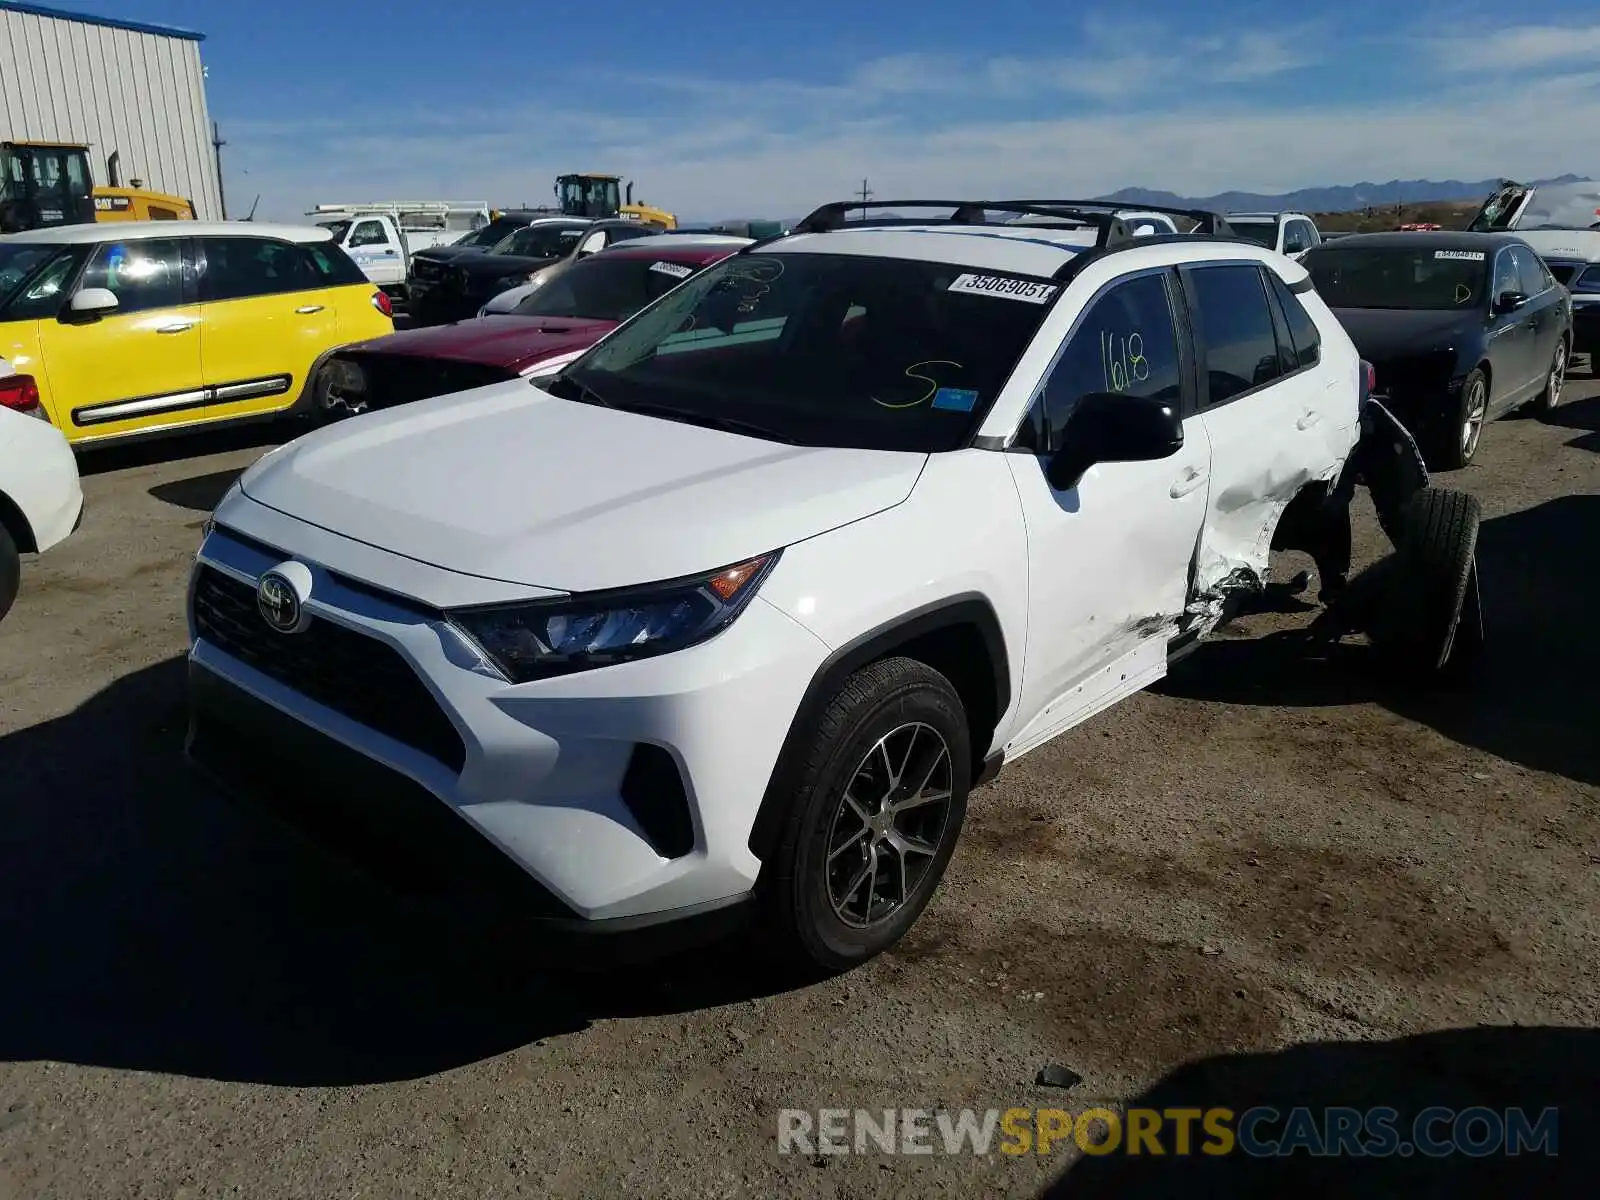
956,399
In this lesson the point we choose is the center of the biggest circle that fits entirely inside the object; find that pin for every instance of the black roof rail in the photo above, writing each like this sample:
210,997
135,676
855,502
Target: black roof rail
837,215
1207,223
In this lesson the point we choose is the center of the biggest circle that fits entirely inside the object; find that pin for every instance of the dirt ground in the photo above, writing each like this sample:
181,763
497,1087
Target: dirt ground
1264,851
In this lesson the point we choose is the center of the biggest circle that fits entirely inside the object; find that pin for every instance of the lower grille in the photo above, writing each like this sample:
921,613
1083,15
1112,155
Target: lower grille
404,378
351,673
376,819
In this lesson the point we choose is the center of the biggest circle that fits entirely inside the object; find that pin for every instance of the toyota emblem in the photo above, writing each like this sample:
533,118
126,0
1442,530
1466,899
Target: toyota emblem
278,602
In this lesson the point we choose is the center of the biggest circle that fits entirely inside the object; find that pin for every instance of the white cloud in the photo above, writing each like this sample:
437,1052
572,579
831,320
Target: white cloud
1517,48
917,124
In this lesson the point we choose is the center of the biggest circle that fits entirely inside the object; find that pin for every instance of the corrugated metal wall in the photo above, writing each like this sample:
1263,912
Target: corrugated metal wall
138,93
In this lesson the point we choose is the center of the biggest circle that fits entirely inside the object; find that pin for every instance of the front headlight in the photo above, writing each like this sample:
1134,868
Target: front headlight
578,633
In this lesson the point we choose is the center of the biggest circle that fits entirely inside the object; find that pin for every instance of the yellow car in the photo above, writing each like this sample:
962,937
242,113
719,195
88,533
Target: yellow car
142,327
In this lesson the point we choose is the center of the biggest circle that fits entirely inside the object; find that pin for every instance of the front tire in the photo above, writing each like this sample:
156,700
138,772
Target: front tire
1455,439
875,804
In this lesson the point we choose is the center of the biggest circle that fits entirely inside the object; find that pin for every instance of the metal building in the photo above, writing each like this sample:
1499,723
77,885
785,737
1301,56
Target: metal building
125,88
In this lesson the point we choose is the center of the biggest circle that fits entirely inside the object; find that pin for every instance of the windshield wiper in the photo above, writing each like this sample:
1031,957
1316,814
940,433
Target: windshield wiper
581,392
726,424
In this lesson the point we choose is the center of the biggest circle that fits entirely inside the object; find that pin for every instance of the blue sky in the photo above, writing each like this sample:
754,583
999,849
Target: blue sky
724,109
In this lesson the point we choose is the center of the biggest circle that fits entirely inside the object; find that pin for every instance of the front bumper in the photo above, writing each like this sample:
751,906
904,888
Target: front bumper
544,776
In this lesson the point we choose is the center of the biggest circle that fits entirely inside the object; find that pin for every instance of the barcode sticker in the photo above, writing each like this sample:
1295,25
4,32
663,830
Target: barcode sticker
676,270
1011,289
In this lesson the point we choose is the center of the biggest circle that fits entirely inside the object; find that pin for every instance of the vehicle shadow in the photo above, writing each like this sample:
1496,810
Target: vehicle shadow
148,923
189,445
1496,1068
201,493
1539,576
1584,416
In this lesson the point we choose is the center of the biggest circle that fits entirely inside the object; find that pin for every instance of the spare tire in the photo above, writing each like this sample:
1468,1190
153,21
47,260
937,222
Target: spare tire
1421,624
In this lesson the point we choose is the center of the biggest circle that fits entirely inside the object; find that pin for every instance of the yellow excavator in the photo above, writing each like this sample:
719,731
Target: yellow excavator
48,183
593,195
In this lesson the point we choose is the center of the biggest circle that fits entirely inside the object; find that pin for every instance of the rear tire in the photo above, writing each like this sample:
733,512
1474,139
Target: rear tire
1549,400
895,738
1431,614
1454,440
10,572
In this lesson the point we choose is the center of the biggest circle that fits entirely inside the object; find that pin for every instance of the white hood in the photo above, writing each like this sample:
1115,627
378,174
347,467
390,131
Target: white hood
509,483
1583,244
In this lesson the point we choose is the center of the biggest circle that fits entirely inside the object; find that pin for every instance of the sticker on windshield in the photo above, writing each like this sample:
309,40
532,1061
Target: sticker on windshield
999,285
956,399
1460,255
676,270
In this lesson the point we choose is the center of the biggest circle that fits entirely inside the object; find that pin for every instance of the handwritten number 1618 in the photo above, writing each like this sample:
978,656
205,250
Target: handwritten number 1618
1123,361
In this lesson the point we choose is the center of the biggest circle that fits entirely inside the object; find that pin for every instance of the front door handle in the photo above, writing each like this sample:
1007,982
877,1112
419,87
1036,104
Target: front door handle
176,327
305,309
1186,483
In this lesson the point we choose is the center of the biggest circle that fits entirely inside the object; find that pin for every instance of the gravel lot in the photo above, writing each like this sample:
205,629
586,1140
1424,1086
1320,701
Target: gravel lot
1266,851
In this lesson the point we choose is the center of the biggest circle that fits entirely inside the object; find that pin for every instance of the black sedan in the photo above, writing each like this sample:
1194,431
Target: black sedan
456,289
1460,327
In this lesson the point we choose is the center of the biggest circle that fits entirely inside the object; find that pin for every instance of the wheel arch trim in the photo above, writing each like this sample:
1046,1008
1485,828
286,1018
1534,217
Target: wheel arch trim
969,609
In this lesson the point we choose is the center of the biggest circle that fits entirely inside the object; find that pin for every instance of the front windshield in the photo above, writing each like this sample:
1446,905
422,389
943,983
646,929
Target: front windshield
823,350
337,228
1411,277
1262,233
539,241
17,262
604,288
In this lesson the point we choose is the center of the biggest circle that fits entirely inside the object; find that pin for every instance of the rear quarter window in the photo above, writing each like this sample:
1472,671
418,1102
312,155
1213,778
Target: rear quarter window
333,267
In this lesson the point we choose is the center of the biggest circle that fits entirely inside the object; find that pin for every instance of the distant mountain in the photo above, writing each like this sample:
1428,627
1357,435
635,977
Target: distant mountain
1325,199
1309,200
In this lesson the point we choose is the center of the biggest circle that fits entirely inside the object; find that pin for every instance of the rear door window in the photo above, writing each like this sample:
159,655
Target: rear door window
238,268
1238,344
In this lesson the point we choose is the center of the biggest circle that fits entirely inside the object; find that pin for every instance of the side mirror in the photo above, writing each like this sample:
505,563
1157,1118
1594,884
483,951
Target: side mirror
1114,427
92,302
1509,302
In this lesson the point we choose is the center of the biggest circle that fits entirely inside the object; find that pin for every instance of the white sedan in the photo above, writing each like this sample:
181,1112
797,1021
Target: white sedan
41,501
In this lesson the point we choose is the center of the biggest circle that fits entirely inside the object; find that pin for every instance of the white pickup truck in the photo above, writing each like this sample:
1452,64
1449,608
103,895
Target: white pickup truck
382,236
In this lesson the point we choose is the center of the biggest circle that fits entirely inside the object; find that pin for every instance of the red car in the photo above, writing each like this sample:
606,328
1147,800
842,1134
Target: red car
577,304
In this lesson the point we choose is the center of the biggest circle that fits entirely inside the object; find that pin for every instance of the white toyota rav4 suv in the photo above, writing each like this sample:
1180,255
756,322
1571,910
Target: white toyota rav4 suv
742,604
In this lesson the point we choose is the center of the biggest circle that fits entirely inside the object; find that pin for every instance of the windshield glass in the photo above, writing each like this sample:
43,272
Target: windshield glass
824,349
540,241
604,288
337,228
1413,277
1262,233
493,232
18,262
